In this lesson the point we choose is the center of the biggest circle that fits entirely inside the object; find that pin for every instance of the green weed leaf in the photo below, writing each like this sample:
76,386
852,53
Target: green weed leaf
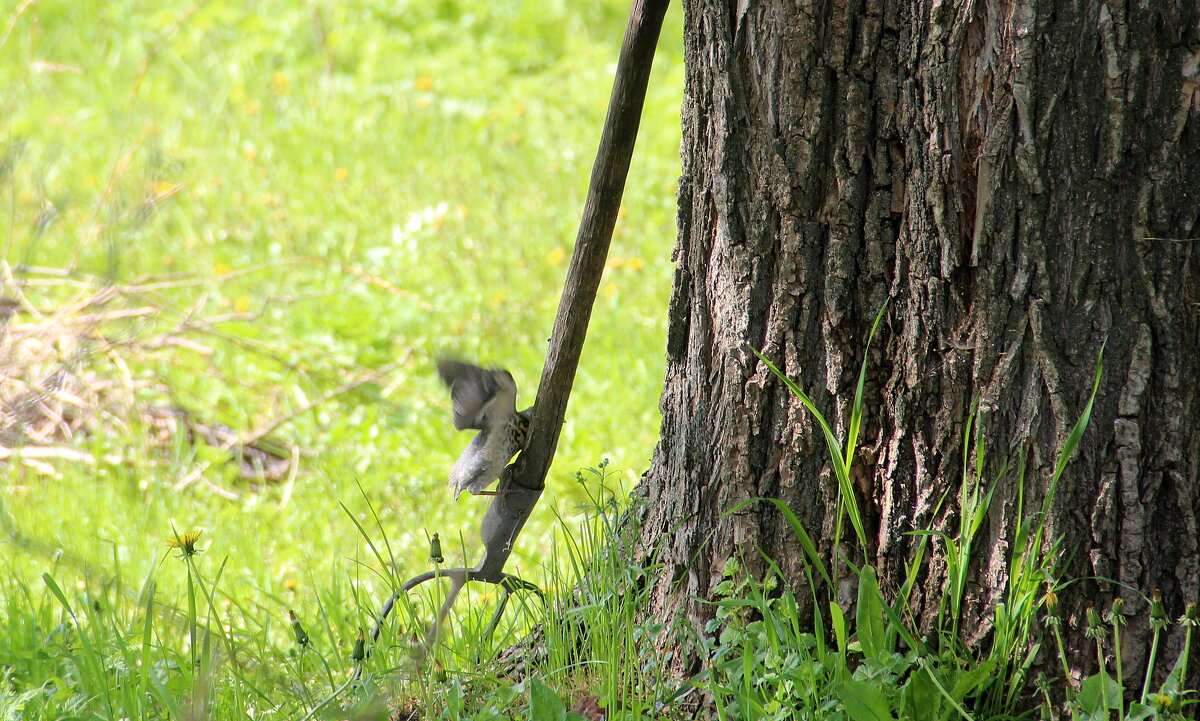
544,704
1098,694
864,702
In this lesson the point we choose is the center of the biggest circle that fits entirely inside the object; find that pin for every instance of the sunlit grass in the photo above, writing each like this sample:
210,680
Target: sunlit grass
373,183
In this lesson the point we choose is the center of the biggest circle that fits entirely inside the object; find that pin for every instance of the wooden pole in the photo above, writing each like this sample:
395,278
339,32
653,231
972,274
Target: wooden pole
591,246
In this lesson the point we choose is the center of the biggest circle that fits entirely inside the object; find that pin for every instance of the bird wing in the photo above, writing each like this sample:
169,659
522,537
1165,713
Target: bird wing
471,390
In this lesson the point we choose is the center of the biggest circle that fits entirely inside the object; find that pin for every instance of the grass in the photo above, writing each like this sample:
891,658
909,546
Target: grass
358,188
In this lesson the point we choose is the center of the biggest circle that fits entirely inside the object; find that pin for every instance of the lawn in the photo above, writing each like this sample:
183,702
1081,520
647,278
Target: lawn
275,217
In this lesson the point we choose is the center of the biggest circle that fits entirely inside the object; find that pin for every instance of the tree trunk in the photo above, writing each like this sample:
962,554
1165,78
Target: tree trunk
1023,182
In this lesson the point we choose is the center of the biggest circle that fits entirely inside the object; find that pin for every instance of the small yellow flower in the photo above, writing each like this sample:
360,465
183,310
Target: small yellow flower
221,269
610,290
165,189
252,108
280,82
423,83
341,174
555,256
186,542
636,263
290,584
241,304
615,262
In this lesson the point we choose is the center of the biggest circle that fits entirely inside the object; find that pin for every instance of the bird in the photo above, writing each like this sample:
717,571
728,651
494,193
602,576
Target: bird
484,400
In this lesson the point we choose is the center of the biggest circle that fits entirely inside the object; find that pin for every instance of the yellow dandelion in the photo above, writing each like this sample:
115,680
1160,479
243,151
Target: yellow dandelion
555,256
221,269
615,261
341,174
636,263
423,84
241,304
186,542
290,584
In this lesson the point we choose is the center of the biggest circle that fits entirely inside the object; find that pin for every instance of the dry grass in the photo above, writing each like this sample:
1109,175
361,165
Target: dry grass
81,358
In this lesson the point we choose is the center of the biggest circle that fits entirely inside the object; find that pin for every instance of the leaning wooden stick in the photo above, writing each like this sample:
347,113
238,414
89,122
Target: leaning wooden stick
522,483
591,247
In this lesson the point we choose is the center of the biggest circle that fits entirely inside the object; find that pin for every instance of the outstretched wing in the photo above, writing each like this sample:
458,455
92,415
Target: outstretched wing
471,389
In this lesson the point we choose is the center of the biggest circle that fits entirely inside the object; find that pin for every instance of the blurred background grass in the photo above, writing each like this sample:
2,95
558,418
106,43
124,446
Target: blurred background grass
363,185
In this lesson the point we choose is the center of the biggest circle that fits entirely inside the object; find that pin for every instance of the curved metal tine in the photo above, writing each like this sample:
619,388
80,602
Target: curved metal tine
456,586
491,627
410,584
515,583
510,584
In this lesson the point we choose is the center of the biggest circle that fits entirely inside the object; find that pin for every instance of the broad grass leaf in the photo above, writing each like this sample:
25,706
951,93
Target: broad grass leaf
869,619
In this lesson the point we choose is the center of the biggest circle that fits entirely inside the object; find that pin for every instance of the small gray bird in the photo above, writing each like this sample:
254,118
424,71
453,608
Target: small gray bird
485,400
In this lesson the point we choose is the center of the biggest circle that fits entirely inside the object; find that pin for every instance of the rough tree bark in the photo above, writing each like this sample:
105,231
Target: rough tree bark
1022,179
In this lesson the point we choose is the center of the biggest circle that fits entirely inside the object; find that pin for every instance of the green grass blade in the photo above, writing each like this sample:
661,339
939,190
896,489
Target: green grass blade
856,409
834,448
58,594
806,542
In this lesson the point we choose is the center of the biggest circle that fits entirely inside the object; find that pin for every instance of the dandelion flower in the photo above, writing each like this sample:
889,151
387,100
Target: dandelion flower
186,542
